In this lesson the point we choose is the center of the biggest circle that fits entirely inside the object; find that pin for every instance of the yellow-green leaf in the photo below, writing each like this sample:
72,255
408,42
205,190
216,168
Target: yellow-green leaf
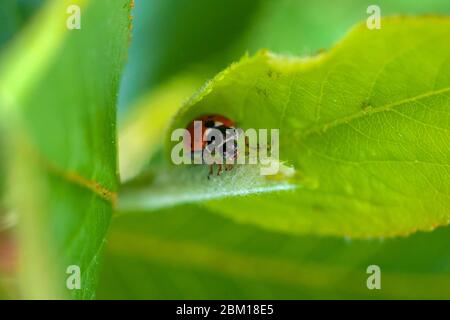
365,126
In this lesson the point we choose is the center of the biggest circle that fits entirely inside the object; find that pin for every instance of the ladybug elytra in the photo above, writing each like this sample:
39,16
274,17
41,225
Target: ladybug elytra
226,144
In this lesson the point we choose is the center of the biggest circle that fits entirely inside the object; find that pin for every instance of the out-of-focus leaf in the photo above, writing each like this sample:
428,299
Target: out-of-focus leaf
58,91
172,35
14,14
305,27
141,133
190,253
2,171
8,260
365,127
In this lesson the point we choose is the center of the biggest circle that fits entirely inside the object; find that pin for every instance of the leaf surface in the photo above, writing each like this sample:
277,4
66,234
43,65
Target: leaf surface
365,126
58,91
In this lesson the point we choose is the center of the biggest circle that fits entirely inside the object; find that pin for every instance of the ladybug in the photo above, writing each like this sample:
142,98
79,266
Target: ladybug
202,143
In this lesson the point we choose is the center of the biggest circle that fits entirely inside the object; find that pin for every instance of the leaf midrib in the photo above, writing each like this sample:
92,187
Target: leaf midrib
75,178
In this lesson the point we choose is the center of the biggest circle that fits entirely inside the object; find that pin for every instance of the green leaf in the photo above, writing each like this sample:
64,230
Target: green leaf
365,127
191,253
284,26
14,15
195,33
170,187
58,91
305,27
8,257
220,31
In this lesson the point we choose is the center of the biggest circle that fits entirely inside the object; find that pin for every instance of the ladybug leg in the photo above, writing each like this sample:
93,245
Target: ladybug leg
211,167
247,146
219,170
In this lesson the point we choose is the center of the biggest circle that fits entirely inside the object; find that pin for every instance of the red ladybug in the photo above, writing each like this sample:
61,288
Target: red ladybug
200,143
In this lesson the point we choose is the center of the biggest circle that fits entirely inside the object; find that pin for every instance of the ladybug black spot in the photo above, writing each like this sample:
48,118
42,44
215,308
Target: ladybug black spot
209,123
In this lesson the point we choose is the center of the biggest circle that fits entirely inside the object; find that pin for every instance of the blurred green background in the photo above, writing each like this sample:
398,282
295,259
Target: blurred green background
189,252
